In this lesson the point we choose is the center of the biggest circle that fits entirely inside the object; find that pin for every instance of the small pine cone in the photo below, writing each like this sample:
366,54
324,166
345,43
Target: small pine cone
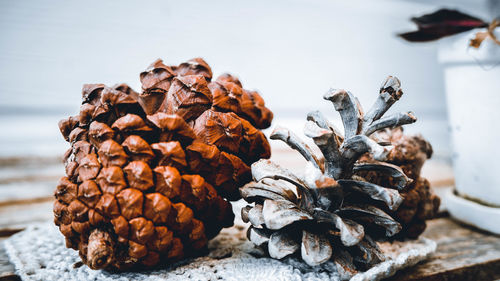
410,154
146,172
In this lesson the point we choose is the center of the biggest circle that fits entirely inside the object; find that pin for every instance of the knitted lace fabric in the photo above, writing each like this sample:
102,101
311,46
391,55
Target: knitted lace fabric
39,253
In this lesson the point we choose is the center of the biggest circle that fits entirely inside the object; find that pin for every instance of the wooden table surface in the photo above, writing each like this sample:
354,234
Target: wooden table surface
463,253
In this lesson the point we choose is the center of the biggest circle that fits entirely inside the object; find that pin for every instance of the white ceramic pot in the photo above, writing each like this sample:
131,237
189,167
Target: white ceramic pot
472,80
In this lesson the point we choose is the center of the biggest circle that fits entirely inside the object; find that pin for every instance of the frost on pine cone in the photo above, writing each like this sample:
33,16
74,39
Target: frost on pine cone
333,212
148,173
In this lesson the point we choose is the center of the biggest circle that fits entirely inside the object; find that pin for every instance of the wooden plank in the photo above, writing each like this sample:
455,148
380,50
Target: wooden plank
26,190
40,171
16,217
463,253
29,161
28,178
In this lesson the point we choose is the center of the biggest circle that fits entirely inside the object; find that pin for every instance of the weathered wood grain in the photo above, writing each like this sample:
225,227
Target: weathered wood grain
15,217
28,178
463,253
26,190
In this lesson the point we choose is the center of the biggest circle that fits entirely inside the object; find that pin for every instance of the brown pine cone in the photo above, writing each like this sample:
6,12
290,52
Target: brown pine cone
148,174
410,154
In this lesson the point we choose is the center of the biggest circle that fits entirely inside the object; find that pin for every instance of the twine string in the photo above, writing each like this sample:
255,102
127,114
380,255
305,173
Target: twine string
491,28
494,24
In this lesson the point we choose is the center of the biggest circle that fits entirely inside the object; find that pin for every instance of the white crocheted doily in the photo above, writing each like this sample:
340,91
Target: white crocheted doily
39,253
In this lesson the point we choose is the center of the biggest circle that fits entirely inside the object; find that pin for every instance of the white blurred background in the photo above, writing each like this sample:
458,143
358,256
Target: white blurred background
291,51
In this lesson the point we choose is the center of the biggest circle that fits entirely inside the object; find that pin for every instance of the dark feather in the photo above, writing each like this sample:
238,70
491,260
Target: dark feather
448,17
440,24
